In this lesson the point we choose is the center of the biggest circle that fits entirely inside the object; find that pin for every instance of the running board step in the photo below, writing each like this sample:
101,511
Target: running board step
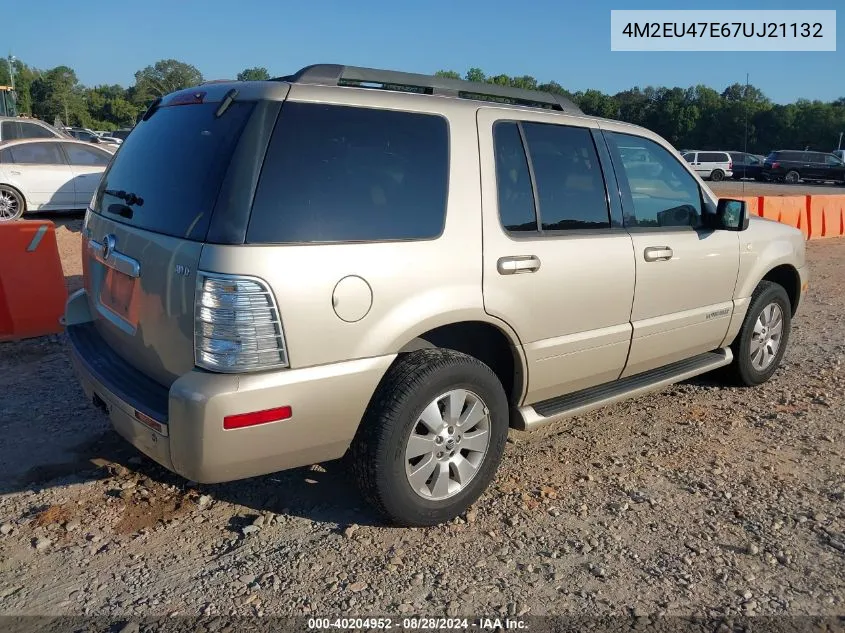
561,407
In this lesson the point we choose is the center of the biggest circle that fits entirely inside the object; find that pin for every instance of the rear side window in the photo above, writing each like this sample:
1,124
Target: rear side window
570,185
345,174
513,180
712,157
81,155
175,163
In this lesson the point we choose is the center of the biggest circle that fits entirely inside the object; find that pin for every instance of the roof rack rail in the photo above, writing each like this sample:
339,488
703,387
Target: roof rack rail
354,76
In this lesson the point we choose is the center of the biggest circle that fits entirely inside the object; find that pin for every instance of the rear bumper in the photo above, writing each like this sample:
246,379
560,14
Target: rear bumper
181,428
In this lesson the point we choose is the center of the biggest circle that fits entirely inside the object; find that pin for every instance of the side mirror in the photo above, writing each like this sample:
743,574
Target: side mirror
732,215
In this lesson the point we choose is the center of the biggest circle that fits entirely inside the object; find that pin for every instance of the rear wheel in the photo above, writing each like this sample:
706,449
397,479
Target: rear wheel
717,175
11,204
432,437
792,177
762,339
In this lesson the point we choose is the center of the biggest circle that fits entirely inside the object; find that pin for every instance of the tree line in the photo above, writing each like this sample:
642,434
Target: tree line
57,93
695,117
699,117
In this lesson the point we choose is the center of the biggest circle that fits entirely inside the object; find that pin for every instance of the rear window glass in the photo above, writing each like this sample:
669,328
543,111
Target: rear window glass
175,163
344,174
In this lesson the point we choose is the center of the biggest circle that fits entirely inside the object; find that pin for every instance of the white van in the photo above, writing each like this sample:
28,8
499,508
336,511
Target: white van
713,165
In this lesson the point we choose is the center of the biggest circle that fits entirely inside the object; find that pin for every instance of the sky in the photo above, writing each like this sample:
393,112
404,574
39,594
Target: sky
105,42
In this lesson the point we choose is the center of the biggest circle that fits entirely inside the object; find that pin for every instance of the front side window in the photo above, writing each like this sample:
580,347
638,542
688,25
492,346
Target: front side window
10,130
37,154
345,174
32,130
832,161
656,193
690,158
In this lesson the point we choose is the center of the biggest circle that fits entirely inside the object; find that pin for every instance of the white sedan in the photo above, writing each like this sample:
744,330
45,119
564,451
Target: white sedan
48,175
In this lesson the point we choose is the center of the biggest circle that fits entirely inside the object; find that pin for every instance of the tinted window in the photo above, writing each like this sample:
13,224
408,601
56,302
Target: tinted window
37,154
660,192
6,156
712,157
175,162
793,156
81,155
832,160
32,130
513,181
338,173
570,186
10,130
690,158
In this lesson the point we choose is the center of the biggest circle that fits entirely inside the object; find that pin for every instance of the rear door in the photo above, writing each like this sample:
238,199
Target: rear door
87,165
685,274
43,173
145,233
558,267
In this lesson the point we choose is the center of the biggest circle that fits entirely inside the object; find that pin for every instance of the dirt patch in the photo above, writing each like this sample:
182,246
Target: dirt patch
149,505
54,515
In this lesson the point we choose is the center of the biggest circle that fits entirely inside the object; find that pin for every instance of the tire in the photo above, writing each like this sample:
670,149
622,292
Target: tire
717,175
747,368
792,177
381,448
12,204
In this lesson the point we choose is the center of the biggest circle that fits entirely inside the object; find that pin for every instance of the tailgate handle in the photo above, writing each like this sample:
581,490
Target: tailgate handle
113,259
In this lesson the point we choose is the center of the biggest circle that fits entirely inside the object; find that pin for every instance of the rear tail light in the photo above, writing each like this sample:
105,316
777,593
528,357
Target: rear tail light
775,165
237,326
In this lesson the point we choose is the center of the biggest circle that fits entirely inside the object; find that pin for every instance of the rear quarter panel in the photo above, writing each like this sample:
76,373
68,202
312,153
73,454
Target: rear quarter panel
415,285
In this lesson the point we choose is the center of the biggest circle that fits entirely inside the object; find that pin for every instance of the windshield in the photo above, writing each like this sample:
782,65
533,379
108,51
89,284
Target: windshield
167,173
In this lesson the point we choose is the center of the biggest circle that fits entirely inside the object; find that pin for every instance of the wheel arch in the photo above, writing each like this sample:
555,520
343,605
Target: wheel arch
492,342
20,191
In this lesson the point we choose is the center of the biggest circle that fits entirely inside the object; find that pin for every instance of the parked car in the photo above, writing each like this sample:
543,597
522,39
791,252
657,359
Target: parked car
48,175
793,166
84,134
714,166
121,134
746,165
401,276
13,128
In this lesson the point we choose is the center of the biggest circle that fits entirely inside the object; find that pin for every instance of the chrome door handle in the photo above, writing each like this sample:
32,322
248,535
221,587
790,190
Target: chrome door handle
657,253
518,264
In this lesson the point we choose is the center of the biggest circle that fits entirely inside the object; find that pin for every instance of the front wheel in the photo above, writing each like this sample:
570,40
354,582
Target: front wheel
432,438
759,347
717,175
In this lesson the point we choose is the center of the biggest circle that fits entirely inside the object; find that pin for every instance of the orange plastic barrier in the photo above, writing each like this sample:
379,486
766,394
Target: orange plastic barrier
826,215
791,210
754,204
32,284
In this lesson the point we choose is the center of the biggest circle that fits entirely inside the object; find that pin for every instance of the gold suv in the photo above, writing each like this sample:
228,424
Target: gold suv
400,268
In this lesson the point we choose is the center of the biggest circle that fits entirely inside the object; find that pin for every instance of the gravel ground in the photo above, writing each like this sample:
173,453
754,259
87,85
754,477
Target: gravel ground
699,500
753,188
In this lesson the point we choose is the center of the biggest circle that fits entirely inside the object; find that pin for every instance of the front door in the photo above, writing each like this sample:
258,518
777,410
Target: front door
686,274
555,267
44,174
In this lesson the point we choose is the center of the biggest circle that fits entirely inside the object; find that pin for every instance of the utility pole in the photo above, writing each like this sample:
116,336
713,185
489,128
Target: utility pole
10,59
840,140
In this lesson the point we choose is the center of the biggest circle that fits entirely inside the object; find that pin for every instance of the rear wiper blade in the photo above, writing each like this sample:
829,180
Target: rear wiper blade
227,100
128,197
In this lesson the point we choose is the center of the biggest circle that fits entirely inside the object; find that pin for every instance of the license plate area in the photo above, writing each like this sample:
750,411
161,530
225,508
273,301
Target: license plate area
117,295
